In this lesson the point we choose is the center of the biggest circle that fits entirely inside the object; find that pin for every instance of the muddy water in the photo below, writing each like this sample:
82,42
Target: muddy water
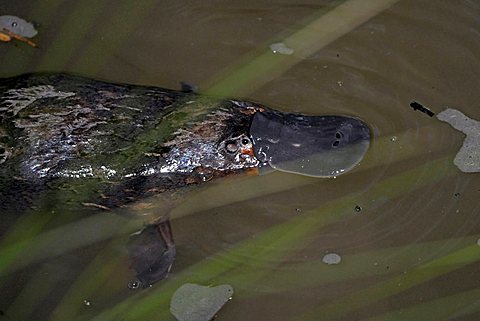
405,222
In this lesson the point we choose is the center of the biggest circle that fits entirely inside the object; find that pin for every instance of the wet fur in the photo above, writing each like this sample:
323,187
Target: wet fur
58,129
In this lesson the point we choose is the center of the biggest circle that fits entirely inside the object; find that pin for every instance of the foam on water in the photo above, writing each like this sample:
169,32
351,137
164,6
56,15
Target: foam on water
468,157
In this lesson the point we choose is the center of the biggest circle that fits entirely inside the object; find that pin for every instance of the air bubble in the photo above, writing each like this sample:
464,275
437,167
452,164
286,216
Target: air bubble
332,258
281,48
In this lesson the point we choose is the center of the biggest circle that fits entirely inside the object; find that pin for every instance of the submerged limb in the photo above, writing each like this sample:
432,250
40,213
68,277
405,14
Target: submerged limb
152,252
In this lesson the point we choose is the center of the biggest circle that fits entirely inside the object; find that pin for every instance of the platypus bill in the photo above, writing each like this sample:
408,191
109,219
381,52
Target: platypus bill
137,141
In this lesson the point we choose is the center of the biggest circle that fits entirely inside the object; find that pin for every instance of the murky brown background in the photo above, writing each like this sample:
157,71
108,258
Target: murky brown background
411,253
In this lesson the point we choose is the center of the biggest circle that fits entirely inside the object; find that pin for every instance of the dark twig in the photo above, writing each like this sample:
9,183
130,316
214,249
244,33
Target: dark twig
420,107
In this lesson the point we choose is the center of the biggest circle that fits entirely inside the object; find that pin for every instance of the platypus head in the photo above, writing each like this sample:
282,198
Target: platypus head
243,135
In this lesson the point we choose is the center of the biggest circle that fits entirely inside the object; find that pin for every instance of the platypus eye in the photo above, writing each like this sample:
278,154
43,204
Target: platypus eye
234,144
245,142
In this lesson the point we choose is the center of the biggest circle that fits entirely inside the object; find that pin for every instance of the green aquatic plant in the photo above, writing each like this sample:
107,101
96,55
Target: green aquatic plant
69,39
398,283
449,307
30,240
277,242
322,29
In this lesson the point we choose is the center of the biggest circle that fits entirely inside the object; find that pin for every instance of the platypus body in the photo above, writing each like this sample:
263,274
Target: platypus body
129,142
147,139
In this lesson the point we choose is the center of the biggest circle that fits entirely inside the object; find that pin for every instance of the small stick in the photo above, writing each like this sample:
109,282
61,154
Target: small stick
420,107
18,37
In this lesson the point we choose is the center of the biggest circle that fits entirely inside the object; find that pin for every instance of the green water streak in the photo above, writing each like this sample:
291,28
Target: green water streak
323,30
354,266
395,285
269,247
34,293
91,281
72,34
60,240
446,308
18,239
114,34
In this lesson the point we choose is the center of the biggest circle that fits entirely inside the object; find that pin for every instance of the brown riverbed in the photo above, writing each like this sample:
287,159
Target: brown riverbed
405,222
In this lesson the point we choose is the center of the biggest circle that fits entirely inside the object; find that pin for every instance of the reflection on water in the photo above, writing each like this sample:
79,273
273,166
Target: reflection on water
412,251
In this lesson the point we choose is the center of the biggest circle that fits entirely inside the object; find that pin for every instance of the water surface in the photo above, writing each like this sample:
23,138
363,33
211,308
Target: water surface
405,222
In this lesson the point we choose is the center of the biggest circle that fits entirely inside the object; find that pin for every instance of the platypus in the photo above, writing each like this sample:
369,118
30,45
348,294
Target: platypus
130,142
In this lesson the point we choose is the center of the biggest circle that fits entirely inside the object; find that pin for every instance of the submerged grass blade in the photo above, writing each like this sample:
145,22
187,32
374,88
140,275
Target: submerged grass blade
269,246
353,267
17,240
110,36
397,284
34,293
61,240
319,33
447,308
91,280
71,36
